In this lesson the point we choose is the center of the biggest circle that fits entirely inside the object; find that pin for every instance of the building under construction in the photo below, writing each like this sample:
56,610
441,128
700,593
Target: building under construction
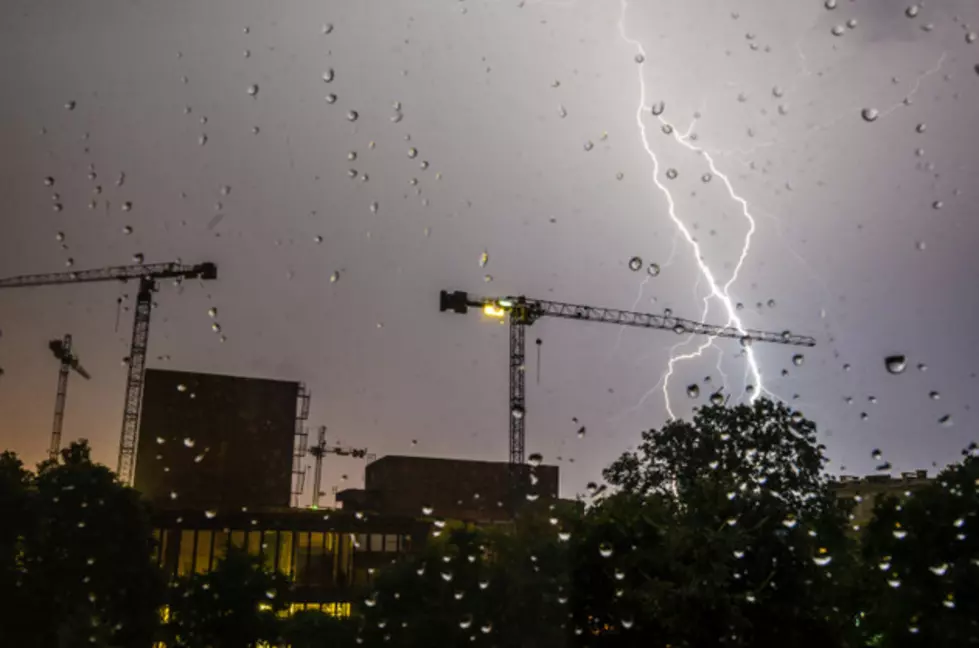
476,491
222,442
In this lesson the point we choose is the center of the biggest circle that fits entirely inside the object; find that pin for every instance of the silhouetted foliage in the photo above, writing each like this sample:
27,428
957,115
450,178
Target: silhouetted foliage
80,559
233,606
718,532
315,629
922,558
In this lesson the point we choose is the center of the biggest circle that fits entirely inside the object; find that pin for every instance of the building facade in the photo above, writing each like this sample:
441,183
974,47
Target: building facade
216,441
457,489
864,491
328,556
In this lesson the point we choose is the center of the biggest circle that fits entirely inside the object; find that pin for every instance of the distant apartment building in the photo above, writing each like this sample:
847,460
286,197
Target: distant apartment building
865,491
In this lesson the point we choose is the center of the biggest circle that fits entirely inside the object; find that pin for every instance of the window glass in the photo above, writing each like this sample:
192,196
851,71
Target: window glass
202,562
185,562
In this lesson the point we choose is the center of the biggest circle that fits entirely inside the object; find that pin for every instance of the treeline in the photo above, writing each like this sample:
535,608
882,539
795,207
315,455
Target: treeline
722,531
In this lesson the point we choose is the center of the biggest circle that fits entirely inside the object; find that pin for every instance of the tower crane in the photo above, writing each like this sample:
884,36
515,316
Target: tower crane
69,362
320,450
148,275
524,311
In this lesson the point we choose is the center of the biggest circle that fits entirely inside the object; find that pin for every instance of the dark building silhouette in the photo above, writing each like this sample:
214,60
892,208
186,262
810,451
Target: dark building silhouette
452,488
211,441
864,491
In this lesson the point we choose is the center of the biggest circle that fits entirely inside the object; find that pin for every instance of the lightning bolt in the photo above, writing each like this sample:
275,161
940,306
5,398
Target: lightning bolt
716,290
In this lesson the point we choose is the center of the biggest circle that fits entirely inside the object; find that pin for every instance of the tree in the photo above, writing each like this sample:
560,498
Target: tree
84,544
234,605
315,629
717,532
15,531
922,559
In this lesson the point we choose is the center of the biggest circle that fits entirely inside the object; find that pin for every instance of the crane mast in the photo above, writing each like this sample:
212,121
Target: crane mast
523,312
320,450
148,275
67,362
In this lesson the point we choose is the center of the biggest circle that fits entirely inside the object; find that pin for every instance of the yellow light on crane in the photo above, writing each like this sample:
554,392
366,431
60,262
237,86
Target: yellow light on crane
494,311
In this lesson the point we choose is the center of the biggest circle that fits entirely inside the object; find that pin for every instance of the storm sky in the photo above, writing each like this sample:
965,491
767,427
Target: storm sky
343,162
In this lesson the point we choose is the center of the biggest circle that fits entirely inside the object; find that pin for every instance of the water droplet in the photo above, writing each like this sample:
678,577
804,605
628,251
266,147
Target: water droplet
667,129
127,206
693,391
657,108
374,207
912,11
971,37
334,277
202,140
70,105
517,413
707,177
57,207
896,364
605,550
589,145
838,30
653,270
938,204
945,421
412,152
49,181
671,174
317,239
900,534
138,258
331,98
427,510
352,115
822,561
640,58
188,442
798,359
535,459
329,75
939,570
635,264
851,23
869,114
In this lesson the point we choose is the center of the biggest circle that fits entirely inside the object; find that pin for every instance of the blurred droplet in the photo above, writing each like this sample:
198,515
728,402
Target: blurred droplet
640,58
329,75
653,270
605,550
869,114
896,364
331,98
635,264
657,108
672,174
798,359
352,115
693,391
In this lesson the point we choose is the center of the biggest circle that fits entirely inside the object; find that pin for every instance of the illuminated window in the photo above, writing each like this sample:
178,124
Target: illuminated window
360,542
376,542
203,562
268,550
318,567
238,539
185,563
156,546
285,552
221,539
254,543
390,543
302,558
337,609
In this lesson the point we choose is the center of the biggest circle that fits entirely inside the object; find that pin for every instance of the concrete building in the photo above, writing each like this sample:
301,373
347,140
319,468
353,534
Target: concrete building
216,441
864,491
475,491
